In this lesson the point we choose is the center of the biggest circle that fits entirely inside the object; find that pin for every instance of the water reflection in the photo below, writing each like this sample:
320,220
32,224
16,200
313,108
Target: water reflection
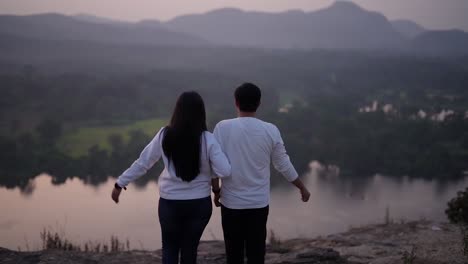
85,212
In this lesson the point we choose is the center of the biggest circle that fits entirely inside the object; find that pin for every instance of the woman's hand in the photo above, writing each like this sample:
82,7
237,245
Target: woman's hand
116,194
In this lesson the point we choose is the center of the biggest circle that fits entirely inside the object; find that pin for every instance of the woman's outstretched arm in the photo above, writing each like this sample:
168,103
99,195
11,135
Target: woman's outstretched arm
148,157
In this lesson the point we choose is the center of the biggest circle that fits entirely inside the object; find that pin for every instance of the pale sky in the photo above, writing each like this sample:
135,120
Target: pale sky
433,14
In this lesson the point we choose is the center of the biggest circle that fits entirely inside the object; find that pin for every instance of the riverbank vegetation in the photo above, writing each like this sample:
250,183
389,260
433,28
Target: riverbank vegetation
365,113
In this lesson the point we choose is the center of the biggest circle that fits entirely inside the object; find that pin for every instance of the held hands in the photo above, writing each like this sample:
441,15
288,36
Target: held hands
216,191
216,199
115,194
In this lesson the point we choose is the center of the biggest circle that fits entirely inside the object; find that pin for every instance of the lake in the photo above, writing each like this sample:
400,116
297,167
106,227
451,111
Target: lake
85,213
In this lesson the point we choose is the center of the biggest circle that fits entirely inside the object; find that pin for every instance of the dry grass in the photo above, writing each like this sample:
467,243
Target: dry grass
53,240
409,257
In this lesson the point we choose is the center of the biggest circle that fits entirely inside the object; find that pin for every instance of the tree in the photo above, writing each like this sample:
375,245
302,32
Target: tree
49,131
457,211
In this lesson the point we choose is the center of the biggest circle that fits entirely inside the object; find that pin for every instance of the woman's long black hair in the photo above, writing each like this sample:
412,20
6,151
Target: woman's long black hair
182,137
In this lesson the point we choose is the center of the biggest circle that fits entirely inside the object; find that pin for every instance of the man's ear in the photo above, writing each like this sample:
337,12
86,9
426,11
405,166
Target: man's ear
237,103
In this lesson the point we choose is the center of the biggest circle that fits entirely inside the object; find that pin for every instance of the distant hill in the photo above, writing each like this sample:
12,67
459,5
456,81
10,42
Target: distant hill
60,27
97,19
103,20
150,23
442,42
408,28
343,25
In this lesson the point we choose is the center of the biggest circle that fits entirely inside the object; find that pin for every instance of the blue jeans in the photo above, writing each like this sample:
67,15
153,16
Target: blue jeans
182,224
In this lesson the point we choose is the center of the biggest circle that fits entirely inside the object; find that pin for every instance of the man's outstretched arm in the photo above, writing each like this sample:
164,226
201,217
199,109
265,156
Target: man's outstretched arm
282,163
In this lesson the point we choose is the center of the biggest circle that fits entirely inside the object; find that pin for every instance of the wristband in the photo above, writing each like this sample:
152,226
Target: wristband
216,191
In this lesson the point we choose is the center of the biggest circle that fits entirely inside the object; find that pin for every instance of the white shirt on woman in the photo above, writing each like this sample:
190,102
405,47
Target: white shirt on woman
251,145
172,187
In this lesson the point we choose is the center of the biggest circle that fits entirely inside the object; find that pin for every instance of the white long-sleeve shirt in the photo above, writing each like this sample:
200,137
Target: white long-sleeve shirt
251,145
172,187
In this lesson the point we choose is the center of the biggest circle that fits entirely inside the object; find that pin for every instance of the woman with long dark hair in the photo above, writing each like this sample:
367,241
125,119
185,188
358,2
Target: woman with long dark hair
190,154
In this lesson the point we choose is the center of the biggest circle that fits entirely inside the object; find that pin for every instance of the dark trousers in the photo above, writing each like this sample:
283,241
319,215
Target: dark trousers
244,231
182,224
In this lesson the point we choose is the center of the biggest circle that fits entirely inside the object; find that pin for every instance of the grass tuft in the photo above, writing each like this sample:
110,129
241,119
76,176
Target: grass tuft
409,257
52,240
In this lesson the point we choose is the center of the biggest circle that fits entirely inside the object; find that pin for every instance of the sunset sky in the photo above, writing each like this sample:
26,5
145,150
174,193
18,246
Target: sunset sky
433,14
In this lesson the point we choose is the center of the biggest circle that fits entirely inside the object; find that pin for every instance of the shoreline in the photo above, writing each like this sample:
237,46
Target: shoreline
428,241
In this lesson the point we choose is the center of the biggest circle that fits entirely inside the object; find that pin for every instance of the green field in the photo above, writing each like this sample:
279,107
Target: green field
77,142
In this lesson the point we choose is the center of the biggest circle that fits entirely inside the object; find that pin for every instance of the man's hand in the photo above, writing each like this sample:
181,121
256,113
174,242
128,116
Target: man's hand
305,194
116,194
216,199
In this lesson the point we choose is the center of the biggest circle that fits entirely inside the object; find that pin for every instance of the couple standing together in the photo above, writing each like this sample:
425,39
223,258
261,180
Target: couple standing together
239,152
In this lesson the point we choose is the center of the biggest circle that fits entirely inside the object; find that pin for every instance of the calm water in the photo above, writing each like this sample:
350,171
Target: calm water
86,213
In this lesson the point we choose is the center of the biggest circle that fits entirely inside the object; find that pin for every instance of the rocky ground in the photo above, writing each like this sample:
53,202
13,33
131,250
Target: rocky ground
429,242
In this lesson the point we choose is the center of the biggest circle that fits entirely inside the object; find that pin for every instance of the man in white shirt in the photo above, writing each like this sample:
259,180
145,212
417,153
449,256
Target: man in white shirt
251,145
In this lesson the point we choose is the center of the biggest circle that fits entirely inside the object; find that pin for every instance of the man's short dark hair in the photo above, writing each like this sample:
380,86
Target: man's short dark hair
248,97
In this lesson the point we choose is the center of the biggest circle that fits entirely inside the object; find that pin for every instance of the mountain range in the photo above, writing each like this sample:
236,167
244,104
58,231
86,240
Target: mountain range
341,26
407,28
60,27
